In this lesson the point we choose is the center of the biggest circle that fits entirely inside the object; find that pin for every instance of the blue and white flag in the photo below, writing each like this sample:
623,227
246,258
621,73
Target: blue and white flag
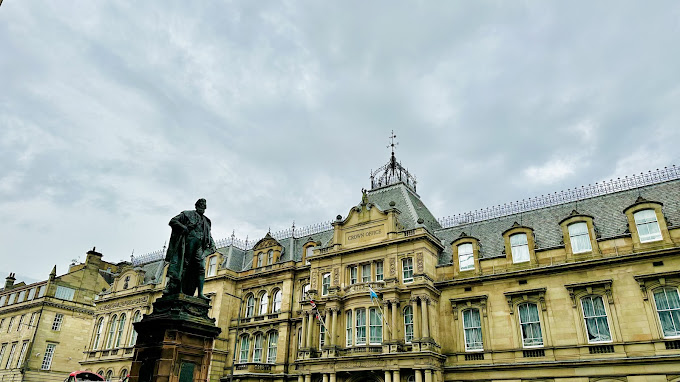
374,299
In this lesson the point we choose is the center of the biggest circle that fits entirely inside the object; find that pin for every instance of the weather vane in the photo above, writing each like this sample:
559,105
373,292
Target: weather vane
392,144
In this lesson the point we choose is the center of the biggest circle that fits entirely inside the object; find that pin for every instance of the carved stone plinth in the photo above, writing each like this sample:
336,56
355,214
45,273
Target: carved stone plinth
175,342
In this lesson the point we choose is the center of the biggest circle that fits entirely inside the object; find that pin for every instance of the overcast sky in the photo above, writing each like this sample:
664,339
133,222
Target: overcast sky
116,116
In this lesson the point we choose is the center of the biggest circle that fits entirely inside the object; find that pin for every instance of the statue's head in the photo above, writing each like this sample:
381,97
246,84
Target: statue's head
201,205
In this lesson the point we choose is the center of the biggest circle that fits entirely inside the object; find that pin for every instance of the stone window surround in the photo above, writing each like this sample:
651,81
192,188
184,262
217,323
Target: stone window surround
594,288
465,239
573,218
531,243
644,204
458,305
536,296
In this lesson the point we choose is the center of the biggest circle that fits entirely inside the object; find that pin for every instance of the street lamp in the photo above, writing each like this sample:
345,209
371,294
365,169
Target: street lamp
238,323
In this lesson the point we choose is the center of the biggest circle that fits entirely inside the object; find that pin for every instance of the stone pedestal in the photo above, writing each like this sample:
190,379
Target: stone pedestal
174,342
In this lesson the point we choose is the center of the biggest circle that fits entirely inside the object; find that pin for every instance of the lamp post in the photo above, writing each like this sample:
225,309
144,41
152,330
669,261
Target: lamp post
238,323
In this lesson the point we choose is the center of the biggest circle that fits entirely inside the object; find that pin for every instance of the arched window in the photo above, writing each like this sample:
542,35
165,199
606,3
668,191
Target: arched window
112,331
212,266
101,372
109,375
595,317
668,308
408,324
264,302
472,329
530,325
135,318
123,374
260,257
250,306
519,247
647,226
271,347
466,258
121,326
579,237
257,348
278,297
98,333
270,257
245,347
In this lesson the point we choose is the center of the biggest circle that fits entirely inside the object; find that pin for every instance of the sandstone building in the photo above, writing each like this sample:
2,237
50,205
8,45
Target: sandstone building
574,287
45,326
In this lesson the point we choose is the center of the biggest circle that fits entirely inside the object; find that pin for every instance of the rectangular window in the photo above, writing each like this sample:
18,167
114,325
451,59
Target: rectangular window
353,275
31,322
595,317
348,328
31,294
260,259
472,329
519,247
379,272
322,334
668,308
407,269
47,358
21,321
375,326
530,325
212,266
22,354
11,322
22,295
41,291
271,349
257,348
12,299
366,273
2,351
325,284
2,300
466,259
56,324
408,324
647,226
8,364
361,326
270,257
64,293
245,347
579,237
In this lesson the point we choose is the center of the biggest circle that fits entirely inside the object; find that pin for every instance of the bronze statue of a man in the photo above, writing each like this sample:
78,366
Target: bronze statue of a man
190,242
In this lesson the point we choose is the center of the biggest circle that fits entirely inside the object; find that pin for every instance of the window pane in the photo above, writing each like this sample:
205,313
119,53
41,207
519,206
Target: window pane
647,226
530,325
408,324
379,271
519,248
595,318
472,329
361,326
579,237
465,257
668,308
348,328
64,293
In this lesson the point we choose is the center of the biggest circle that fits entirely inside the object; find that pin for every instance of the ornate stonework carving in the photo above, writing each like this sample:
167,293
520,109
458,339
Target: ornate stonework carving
419,262
313,280
336,276
393,267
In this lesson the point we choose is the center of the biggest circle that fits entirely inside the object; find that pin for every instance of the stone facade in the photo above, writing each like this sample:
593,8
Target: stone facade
569,292
45,326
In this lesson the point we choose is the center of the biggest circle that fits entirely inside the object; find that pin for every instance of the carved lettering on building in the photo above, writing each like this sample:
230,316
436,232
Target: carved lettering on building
121,304
364,234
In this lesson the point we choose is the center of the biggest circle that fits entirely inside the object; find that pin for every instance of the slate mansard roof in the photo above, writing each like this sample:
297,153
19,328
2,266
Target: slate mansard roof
606,210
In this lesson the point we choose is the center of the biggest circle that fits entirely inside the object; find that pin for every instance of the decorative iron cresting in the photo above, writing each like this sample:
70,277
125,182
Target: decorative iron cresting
393,172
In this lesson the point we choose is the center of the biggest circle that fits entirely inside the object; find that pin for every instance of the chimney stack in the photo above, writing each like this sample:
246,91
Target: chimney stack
9,281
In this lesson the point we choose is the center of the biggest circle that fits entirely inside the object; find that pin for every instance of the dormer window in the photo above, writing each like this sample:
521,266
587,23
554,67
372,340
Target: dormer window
308,253
579,237
519,247
466,258
260,257
212,266
270,257
647,226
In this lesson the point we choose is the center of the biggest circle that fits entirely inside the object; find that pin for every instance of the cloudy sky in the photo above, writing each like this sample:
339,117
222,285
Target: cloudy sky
115,116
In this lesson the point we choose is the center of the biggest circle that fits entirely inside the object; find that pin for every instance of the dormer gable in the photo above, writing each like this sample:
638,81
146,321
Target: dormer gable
267,251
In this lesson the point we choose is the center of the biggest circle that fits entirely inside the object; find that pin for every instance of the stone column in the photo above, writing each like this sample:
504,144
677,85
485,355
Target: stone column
329,327
428,375
386,330
388,376
426,320
419,375
334,333
416,321
325,377
301,378
332,377
396,377
308,377
310,329
395,318
304,330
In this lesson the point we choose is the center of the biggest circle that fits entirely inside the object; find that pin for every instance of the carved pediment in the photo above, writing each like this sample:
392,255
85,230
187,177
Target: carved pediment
266,242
